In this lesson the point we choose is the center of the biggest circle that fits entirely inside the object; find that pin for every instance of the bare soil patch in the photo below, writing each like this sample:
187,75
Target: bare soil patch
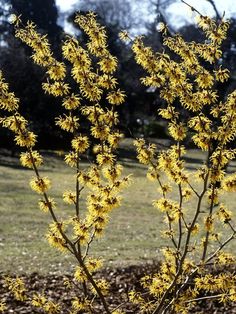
122,280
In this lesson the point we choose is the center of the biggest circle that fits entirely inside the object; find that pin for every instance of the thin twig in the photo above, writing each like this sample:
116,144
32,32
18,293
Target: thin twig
191,7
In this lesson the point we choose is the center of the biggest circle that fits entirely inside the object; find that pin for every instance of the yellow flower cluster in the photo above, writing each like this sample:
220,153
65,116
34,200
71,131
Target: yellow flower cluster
186,80
47,205
55,236
17,287
229,183
15,122
79,304
46,305
102,199
170,162
42,55
92,265
103,285
3,306
146,153
187,84
30,159
8,101
40,185
216,283
92,68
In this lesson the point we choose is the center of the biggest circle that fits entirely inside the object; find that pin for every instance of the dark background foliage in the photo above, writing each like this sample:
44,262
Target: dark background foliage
139,114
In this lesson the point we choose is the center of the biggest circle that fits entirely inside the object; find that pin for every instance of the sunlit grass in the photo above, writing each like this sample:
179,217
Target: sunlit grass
133,234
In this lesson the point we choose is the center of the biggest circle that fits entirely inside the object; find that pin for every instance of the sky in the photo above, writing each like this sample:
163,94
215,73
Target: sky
178,13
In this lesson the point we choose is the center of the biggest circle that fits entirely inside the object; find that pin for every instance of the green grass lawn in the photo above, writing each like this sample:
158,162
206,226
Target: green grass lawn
132,237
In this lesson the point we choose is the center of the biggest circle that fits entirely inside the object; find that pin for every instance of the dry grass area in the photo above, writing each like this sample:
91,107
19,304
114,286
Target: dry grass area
133,235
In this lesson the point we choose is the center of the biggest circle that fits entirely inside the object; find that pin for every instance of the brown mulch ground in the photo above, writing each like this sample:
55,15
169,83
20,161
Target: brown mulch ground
122,280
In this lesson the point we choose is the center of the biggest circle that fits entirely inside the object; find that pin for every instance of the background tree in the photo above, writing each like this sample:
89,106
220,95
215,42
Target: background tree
137,115
22,74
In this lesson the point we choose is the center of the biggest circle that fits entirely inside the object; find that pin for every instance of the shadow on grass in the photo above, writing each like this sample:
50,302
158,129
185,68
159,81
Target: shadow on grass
10,159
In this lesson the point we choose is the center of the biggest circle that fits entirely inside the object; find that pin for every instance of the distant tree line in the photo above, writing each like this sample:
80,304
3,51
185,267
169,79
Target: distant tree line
138,115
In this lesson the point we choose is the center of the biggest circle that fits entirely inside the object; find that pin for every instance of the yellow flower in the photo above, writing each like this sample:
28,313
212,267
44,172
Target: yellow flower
80,144
69,197
168,95
201,173
57,71
216,175
80,304
26,139
112,173
213,196
14,123
17,287
79,274
177,131
162,28
116,97
224,258
99,221
135,297
146,153
155,80
90,90
204,79
222,75
31,159
205,22
103,286
108,64
200,123
68,123
168,113
40,185
107,81
153,174
114,139
71,102
207,283
218,34
209,223
111,202
52,308
57,88
93,264
8,101
38,300
85,178
224,214
124,35
71,159
15,19
165,205
221,157
2,306
105,159
100,131
44,59
229,183
117,312
195,229
81,230
47,205
55,239
186,194
202,140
